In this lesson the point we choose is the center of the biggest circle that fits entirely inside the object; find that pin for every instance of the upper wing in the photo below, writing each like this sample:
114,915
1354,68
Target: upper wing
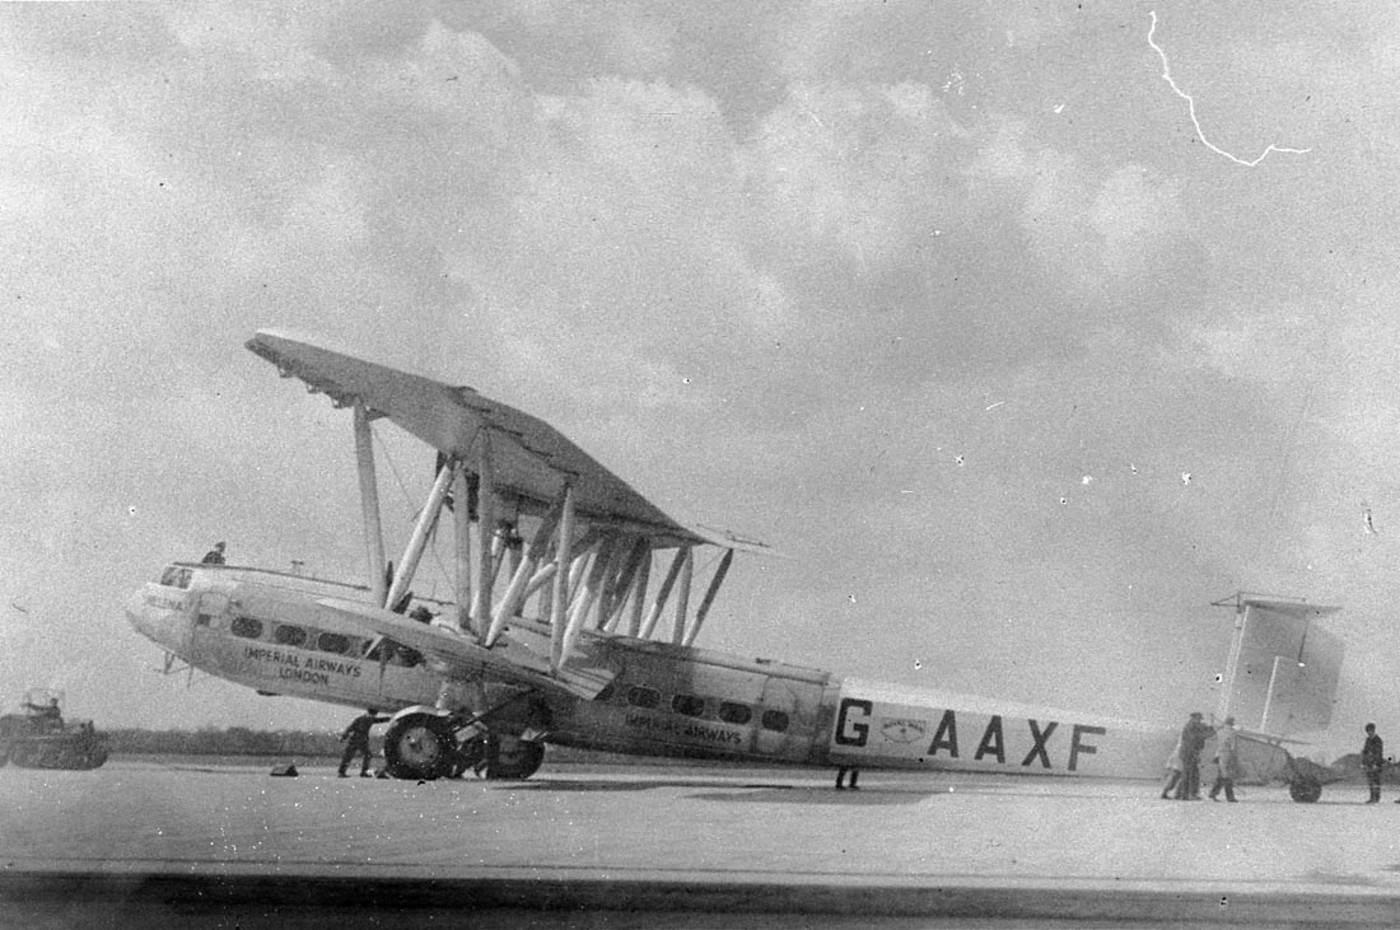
508,661
531,459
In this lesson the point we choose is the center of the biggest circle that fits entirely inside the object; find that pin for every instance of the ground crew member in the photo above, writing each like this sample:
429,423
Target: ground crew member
1173,771
1193,740
1227,760
214,556
1372,761
356,739
841,778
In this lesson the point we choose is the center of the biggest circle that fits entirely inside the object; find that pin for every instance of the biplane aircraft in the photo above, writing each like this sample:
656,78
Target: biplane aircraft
574,623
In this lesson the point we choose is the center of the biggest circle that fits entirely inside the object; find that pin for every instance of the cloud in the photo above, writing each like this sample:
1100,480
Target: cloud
1136,214
855,170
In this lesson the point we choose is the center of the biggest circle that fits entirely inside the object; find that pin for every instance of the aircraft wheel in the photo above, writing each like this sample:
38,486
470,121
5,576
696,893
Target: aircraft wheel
515,758
1305,790
419,746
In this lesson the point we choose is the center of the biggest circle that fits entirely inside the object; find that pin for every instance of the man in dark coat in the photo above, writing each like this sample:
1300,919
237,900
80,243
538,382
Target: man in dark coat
356,739
1193,740
1373,761
214,556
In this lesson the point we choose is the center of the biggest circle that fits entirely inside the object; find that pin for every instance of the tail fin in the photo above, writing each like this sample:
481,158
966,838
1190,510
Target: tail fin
1284,668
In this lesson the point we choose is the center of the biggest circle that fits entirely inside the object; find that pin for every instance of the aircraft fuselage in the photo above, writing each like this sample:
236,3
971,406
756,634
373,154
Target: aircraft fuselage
266,630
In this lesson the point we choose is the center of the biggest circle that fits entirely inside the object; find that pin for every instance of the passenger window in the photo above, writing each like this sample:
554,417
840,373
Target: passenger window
333,642
247,627
730,712
775,720
289,635
203,619
688,704
644,697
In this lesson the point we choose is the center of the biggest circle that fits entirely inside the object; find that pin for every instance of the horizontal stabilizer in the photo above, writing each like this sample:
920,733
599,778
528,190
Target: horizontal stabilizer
531,460
507,661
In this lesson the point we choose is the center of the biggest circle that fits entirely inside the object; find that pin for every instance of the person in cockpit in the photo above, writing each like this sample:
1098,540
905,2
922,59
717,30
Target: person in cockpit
214,556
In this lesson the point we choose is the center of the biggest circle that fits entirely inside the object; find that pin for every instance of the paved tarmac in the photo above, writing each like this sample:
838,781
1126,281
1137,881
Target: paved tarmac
611,846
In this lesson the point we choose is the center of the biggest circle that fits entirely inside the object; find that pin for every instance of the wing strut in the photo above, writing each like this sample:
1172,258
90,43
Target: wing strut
683,598
485,531
709,597
462,523
622,584
592,587
560,603
519,586
664,594
419,540
369,503
639,599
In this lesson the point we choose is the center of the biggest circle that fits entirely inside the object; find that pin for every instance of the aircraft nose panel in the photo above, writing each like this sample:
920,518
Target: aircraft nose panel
159,617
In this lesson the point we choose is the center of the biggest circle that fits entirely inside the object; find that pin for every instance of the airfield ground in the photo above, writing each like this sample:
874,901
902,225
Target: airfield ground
136,843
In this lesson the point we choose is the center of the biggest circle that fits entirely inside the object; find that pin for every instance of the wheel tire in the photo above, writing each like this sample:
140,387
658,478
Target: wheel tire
419,747
1305,790
515,758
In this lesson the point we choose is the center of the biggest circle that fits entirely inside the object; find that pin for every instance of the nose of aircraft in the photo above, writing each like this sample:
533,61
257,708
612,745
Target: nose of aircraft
161,623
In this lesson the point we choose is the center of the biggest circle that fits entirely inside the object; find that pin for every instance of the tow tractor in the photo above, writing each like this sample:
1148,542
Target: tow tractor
39,738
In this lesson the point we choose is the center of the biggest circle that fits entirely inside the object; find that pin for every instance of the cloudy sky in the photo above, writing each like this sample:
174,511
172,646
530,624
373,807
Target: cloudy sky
1025,329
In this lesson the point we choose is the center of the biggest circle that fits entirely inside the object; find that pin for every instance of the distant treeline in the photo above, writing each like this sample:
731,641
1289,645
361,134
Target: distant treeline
230,741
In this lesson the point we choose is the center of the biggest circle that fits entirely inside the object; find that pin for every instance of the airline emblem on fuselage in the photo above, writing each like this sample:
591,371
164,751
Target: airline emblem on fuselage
900,730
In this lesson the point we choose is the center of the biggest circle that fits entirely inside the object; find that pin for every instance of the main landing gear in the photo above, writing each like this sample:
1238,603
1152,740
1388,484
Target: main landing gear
424,747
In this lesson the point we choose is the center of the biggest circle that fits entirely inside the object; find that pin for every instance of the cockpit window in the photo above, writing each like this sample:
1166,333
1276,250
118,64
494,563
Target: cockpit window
175,577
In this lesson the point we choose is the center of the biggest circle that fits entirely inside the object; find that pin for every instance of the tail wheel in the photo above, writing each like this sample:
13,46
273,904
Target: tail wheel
1305,790
419,746
515,758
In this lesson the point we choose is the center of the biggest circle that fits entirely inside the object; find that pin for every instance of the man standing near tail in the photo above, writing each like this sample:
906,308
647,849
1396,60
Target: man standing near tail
1372,761
1227,760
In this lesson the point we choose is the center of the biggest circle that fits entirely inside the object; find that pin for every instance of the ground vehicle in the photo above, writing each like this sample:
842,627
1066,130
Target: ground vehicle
39,738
